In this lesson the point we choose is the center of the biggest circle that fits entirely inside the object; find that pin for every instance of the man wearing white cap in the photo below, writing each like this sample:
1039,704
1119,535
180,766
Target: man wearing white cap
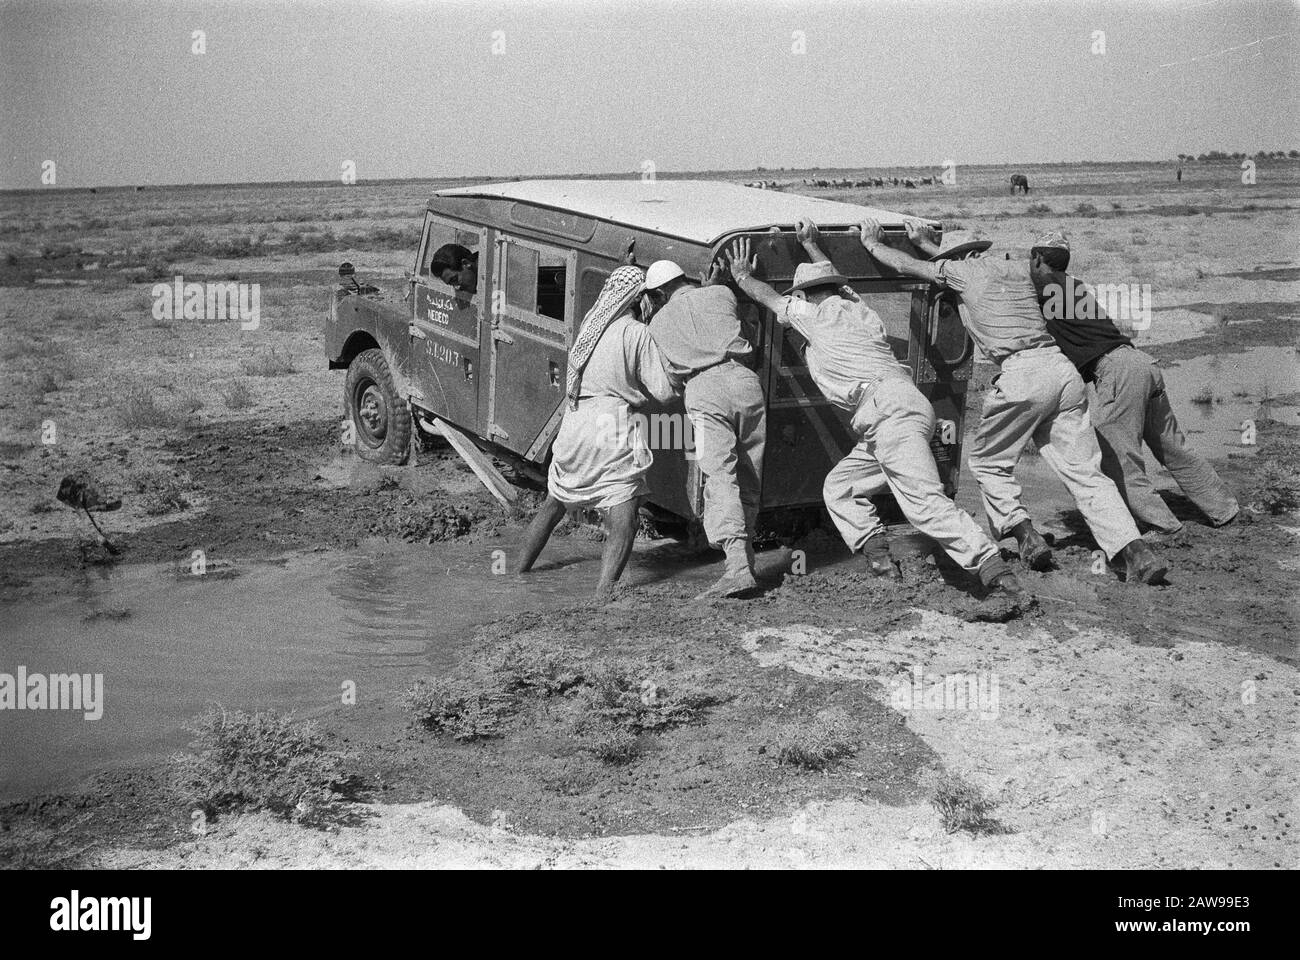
853,365
698,332
1037,394
1127,398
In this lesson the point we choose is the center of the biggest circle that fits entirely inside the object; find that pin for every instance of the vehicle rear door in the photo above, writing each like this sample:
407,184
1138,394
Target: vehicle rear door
532,323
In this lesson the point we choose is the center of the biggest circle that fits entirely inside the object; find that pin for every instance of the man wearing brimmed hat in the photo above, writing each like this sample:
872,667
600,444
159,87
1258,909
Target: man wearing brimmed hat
699,333
1037,394
1127,399
853,365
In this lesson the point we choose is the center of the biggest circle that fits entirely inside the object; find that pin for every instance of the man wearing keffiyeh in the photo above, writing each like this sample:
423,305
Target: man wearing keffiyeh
599,459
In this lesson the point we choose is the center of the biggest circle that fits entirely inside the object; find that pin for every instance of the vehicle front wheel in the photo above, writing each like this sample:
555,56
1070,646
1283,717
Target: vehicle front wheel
379,414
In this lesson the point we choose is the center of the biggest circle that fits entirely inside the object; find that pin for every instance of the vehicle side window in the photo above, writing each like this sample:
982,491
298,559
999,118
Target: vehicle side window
535,281
451,259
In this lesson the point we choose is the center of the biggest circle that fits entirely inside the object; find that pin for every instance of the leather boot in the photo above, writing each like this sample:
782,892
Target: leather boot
998,577
1034,551
879,563
1141,565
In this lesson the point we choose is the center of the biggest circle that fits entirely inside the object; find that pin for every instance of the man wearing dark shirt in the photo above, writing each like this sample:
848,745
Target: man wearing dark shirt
1127,393
1037,394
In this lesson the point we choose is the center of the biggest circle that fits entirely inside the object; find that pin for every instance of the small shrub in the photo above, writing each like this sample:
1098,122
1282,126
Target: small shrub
1086,210
818,745
259,761
156,267
161,492
236,395
1278,488
1205,396
962,806
1039,208
456,708
535,667
136,409
624,693
268,363
608,742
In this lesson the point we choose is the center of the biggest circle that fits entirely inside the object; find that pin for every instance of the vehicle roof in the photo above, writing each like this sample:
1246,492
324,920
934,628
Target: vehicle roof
703,211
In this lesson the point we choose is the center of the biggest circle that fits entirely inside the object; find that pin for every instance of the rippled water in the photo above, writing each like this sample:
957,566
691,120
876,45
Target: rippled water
1241,385
278,635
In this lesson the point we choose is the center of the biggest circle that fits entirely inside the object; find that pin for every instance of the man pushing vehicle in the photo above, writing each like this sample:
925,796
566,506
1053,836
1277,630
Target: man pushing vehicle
1037,394
852,364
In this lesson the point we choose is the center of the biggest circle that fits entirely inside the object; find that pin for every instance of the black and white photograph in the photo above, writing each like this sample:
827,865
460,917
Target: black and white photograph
785,435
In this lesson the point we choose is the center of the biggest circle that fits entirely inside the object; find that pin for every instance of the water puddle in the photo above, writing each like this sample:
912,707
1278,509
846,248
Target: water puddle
1244,386
287,636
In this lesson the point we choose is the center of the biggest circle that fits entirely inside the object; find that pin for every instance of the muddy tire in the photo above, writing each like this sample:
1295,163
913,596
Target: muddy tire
379,414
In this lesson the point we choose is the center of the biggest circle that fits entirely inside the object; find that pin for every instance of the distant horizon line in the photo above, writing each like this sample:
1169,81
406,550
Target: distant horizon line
666,175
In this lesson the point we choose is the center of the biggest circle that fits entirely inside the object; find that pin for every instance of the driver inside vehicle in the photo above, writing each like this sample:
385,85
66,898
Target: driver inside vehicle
456,266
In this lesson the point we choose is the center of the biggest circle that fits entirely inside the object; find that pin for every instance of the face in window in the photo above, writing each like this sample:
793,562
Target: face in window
456,266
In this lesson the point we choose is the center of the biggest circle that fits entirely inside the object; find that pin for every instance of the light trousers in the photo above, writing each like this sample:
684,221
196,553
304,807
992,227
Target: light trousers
729,420
1039,395
1129,406
896,423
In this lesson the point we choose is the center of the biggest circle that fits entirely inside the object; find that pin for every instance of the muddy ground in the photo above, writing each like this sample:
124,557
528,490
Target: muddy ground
1130,727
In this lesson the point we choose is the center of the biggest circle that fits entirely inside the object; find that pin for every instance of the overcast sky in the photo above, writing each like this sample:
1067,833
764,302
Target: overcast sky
114,94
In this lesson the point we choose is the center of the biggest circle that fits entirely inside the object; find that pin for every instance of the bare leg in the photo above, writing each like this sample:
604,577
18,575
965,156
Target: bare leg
620,532
539,531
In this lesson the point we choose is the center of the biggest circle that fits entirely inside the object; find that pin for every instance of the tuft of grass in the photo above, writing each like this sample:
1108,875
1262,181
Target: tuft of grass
623,693
161,492
1279,488
456,707
609,705
236,395
819,745
607,742
963,806
540,668
268,363
258,761
1086,209
136,409
1038,208
1205,396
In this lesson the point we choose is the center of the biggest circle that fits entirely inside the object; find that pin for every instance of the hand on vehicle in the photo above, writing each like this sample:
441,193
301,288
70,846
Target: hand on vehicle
806,231
739,260
871,233
920,232
713,274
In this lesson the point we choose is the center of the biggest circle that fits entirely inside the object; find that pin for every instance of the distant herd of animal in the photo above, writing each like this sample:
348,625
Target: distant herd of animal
1018,182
